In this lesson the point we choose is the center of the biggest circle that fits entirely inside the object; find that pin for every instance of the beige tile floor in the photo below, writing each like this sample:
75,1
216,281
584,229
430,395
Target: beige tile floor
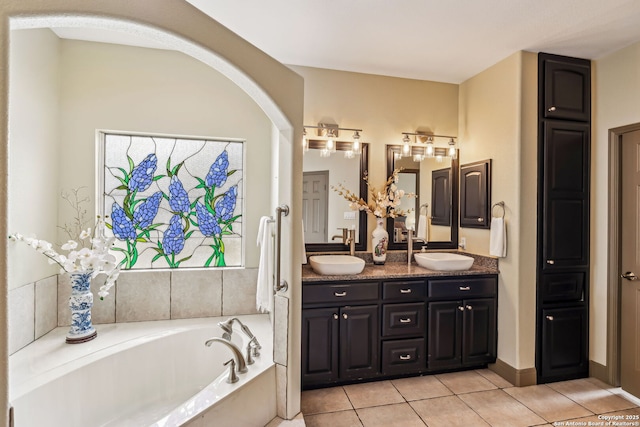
469,399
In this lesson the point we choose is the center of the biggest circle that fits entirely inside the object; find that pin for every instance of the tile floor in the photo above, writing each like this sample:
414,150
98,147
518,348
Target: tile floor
469,399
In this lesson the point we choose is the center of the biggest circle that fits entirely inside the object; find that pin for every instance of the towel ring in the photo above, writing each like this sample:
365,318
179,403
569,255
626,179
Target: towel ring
499,205
425,206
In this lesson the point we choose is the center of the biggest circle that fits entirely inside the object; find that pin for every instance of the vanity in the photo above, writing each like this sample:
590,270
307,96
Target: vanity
397,320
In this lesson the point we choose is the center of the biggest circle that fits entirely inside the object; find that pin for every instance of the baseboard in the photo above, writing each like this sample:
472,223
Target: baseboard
598,371
517,377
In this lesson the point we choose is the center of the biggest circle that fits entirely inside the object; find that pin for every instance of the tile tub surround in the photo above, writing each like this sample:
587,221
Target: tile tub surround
37,308
469,398
396,268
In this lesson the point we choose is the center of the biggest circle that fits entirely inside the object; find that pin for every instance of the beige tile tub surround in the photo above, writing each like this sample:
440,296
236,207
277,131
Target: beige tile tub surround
239,291
21,317
196,293
143,295
46,305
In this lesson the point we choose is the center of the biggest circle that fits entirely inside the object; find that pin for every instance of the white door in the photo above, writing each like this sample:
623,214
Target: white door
630,265
314,206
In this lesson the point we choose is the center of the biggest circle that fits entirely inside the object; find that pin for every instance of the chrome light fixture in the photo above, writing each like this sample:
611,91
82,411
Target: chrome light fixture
452,148
425,146
406,147
355,147
429,150
328,141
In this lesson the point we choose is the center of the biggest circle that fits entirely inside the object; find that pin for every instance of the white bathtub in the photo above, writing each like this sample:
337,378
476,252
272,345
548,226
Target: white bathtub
143,374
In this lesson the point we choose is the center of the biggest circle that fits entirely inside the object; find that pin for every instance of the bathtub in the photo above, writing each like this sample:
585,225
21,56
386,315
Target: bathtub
143,374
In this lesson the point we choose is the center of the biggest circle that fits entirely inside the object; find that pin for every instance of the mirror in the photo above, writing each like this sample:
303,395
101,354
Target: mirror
434,181
325,213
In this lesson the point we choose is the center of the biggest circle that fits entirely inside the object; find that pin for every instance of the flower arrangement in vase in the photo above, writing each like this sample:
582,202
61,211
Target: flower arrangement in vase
381,203
86,256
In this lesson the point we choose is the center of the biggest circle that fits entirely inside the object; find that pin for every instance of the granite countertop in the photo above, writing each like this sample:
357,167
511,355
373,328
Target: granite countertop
399,270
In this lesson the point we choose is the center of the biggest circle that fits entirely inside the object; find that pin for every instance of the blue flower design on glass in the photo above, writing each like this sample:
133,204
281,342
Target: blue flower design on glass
178,197
226,204
173,238
142,175
122,225
207,223
218,172
147,210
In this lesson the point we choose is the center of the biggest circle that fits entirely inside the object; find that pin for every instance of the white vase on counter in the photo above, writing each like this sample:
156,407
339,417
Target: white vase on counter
379,242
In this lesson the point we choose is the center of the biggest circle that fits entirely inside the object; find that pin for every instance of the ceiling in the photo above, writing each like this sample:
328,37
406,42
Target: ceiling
440,40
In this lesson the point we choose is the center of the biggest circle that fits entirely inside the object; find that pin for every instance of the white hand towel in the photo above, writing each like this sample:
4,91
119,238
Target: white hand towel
498,238
423,229
264,291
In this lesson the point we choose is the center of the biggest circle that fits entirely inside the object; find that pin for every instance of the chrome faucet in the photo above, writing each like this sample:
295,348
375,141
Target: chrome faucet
237,353
410,240
227,327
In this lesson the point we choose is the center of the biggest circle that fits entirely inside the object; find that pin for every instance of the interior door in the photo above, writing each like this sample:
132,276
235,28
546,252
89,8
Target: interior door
630,263
314,206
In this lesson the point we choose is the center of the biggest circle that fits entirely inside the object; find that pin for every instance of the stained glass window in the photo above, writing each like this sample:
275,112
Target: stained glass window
173,202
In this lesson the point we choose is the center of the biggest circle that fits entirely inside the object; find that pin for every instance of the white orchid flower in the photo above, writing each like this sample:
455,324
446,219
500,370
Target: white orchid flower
70,245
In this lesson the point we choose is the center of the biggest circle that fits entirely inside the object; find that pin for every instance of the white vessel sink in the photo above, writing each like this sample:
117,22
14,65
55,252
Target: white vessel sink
443,261
331,265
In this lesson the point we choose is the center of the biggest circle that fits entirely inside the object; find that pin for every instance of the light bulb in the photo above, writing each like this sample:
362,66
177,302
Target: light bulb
429,150
452,148
349,154
406,149
331,146
325,152
356,143
305,141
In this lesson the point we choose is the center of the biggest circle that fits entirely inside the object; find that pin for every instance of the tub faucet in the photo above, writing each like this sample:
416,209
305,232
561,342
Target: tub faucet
227,327
410,240
237,353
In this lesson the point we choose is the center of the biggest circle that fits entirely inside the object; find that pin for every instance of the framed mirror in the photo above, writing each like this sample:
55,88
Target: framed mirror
434,215
325,213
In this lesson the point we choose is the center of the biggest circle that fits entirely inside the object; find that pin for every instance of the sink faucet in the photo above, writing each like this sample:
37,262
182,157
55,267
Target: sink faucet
351,241
237,353
410,240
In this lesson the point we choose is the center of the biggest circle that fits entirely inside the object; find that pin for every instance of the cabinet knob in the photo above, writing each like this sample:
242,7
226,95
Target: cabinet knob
550,262
405,291
469,307
552,109
340,294
480,219
344,315
405,357
549,317
335,316
465,288
407,320
461,308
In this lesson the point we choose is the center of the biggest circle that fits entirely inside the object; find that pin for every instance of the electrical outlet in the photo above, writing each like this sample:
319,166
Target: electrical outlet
463,243
350,215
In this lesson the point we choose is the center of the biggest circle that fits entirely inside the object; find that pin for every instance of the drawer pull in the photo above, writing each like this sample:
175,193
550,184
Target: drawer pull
344,315
552,109
340,294
469,307
405,291
549,317
465,288
461,308
550,262
407,320
405,357
480,219
335,316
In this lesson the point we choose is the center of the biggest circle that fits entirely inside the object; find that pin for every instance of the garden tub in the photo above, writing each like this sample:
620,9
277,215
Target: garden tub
143,374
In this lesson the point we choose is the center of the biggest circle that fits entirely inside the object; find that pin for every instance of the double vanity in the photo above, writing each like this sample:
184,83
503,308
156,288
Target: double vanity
362,321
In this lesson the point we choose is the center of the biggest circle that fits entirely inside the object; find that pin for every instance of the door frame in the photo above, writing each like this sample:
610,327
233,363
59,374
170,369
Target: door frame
614,242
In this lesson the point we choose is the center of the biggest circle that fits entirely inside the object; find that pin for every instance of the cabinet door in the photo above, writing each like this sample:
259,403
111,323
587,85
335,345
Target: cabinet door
479,344
441,197
475,186
319,346
564,343
566,195
445,334
359,348
566,88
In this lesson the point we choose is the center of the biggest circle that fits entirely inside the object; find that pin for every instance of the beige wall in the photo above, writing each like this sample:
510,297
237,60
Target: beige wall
383,107
616,93
496,123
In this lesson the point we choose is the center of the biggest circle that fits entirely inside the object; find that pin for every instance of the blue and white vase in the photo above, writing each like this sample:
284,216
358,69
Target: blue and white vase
80,303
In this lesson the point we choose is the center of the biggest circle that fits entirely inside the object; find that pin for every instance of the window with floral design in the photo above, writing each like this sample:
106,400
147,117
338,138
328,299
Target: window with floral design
173,202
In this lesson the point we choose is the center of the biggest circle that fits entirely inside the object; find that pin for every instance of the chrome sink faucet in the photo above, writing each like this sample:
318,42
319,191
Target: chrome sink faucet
237,353
410,240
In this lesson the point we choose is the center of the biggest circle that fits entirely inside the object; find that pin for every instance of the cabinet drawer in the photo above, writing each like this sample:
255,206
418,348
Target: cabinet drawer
403,356
403,319
340,294
463,287
558,287
409,290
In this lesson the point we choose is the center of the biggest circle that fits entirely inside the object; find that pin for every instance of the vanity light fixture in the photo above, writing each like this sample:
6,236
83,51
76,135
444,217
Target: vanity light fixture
427,147
305,141
328,140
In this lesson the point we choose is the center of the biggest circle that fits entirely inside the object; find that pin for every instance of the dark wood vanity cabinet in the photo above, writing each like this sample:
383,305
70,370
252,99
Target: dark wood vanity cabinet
390,328
562,324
